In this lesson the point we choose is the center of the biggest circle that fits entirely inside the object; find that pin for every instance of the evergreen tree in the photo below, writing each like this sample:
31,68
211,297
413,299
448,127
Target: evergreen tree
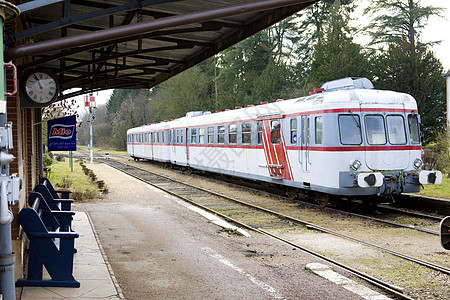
336,55
398,20
309,30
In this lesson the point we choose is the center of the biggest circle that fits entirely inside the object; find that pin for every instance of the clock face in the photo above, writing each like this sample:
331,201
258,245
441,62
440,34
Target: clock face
41,87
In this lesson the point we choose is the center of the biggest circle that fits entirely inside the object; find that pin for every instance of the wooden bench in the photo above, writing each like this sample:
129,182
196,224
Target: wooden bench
52,249
64,218
53,203
64,193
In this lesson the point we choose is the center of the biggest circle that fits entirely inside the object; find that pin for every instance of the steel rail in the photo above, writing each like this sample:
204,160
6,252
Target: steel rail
398,291
305,223
418,228
376,219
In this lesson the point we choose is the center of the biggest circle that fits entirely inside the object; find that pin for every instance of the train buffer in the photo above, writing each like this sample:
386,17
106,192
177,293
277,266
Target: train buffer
52,249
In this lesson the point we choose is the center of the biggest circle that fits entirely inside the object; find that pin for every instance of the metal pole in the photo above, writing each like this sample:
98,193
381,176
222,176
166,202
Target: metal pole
143,27
90,137
447,77
7,259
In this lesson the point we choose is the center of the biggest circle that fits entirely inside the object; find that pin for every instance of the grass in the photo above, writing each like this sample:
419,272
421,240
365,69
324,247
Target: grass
439,191
110,151
82,187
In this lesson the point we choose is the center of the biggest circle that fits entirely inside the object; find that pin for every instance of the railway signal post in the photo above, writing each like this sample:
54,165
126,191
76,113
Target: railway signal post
89,103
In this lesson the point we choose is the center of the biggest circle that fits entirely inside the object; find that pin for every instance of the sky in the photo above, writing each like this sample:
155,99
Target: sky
437,29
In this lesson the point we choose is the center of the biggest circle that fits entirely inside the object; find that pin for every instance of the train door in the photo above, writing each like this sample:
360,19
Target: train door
304,144
186,140
152,141
173,140
275,150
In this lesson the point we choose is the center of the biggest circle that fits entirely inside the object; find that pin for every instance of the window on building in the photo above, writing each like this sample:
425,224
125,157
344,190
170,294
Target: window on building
350,129
319,130
221,134
246,133
210,135
293,131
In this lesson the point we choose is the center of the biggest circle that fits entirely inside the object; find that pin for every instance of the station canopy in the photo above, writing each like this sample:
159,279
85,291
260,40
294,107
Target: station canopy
108,44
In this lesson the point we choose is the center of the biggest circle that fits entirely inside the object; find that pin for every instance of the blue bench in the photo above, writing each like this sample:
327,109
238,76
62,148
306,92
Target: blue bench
54,192
64,218
50,247
53,203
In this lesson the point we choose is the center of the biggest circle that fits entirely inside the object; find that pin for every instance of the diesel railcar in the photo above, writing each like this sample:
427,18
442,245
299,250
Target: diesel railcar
345,139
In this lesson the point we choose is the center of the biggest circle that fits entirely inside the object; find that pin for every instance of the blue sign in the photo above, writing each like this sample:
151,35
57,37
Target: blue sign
62,134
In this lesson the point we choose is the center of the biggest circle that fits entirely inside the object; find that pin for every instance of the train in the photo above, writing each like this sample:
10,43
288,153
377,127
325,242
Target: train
345,139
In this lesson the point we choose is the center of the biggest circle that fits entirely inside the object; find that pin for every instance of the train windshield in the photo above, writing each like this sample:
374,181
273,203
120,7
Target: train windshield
396,130
413,122
350,130
375,130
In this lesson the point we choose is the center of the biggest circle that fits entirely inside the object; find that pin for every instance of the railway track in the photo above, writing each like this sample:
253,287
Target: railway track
266,221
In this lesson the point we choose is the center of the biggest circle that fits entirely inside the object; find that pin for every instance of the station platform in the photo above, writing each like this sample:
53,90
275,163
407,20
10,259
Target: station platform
155,246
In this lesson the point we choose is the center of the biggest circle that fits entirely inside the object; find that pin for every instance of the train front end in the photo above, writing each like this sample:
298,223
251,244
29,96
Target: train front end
388,159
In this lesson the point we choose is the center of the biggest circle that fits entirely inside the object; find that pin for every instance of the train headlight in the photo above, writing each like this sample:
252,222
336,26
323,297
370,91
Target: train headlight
418,163
356,165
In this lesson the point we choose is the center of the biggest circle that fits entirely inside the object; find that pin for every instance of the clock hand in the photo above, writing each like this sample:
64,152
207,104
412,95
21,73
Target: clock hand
38,82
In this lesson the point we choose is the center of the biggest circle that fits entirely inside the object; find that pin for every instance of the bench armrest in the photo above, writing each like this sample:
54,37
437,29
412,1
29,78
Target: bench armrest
53,235
57,213
63,200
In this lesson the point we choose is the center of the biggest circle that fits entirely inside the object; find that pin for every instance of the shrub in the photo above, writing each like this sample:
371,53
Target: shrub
47,159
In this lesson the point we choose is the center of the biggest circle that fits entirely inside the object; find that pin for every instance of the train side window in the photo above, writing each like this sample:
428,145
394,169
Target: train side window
201,135
396,130
210,135
260,131
232,134
246,133
221,134
193,135
294,131
319,130
414,131
182,131
350,129
376,133
275,132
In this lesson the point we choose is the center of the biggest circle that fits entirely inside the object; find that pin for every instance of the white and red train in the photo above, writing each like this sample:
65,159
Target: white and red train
344,139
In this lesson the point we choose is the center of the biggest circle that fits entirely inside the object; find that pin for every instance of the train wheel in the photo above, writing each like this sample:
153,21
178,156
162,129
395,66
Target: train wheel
291,193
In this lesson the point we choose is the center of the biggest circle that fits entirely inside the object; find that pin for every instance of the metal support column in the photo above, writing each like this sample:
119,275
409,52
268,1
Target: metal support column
7,259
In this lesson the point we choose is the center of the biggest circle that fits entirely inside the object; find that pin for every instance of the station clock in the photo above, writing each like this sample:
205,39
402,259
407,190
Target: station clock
40,88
